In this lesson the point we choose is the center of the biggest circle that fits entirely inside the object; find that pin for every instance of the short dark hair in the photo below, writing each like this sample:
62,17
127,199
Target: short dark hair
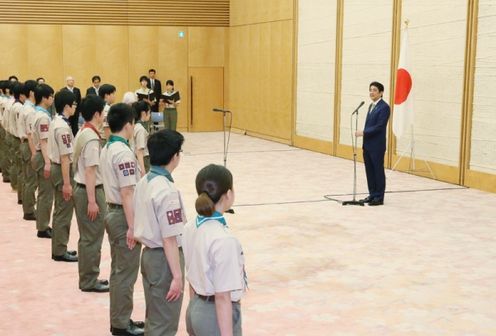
3,85
163,145
378,85
169,82
138,107
118,116
106,89
29,86
211,183
18,90
90,105
94,78
13,77
42,91
63,98
143,78
152,70
40,78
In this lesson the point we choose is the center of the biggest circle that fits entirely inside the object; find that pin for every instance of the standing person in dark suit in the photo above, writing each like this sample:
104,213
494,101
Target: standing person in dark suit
96,80
74,120
156,87
374,144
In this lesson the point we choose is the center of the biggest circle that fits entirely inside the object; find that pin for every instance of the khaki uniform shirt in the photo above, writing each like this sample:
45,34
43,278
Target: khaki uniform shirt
158,209
14,115
214,259
119,169
90,157
7,104
59,139
140,139
27,113
41,126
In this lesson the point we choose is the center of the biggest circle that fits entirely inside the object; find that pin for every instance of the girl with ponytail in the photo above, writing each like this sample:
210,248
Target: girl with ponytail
214,259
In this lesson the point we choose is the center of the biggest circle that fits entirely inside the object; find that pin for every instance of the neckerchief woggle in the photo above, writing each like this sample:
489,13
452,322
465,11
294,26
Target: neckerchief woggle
158,171
217,216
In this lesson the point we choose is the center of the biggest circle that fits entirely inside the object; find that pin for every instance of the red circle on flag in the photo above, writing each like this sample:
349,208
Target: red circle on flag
403,86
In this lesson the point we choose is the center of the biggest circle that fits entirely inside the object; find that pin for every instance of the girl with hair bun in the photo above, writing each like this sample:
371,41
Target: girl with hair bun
214,259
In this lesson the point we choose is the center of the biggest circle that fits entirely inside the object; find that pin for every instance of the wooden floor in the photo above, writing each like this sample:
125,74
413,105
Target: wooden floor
422,264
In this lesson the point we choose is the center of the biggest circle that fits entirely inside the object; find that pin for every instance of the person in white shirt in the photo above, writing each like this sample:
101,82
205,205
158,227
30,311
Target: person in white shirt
214,259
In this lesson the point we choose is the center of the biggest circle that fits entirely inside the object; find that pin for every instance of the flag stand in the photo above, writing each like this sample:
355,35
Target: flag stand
412,165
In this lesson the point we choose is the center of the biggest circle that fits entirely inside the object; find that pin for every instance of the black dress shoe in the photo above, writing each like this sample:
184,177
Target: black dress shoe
138,324
72,253
131,330
6,180
45,234
99,288
366,200
376,202
19,202
29,217
65,257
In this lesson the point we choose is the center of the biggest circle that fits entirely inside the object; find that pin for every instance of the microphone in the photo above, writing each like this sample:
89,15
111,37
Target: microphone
356,110
220,110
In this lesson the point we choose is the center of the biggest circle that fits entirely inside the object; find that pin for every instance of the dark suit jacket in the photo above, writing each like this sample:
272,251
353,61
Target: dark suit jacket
90,90
157,91
74,119
374,133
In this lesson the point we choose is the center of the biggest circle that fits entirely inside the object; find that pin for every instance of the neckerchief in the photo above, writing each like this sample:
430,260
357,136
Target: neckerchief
90,126
115,138
217,216
158,171
44,110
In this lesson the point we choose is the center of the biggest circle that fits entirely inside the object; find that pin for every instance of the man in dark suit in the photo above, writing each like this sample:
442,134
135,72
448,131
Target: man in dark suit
96,80
74,120
374,144
156,86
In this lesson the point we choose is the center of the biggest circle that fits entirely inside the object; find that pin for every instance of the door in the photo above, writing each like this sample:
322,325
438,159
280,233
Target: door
206,93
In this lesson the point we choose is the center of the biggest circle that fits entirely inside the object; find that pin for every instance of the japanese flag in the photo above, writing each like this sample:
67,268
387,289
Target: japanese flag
403,100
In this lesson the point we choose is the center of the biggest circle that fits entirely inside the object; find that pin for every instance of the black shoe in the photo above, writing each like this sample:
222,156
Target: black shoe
19,202
65,257
6,180
45,234
29,217
99,288
103,282
137,324
376,202
72,253
131,330
366,200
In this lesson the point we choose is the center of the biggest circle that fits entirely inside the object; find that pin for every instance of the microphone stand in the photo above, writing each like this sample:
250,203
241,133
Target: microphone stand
354,137
226,138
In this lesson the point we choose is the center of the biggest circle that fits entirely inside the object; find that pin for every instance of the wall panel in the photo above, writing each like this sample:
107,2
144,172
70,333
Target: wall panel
437,36
245,12
483,141
316,69
13,60
143,53
367,33
79,54
206,46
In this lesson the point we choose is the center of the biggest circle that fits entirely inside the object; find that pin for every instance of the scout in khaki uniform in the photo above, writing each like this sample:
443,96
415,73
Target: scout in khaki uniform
214,259
41,162
16,177
107,93
140,138
27,151
8,101
89,197
120,174
60,152
158,224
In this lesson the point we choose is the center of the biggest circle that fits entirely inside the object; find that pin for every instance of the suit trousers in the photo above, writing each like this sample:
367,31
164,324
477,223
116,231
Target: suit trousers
376,178
44,203
123,268
90,236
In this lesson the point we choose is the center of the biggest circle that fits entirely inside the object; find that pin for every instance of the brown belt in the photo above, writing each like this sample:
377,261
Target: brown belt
80,185
210,298
114,206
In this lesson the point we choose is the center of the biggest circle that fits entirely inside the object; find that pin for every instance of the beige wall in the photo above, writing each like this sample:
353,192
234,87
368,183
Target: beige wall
261,67
316,64
483,140
119,54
